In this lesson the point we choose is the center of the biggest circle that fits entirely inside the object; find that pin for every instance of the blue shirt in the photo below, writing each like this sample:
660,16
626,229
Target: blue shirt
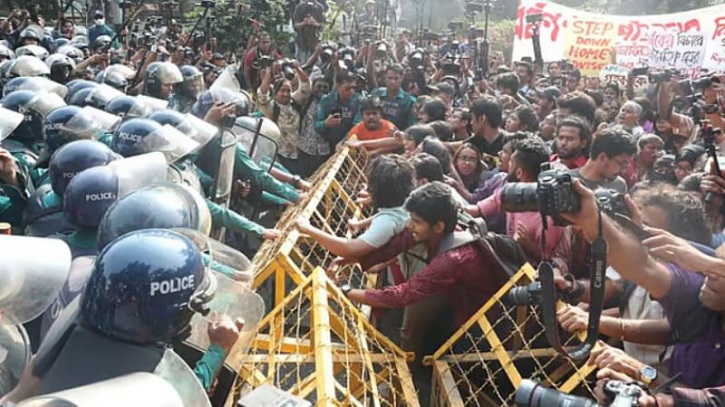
399,109
349,116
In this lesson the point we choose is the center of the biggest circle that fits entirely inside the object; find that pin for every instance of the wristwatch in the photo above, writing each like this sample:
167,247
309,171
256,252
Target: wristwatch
345,288
647,374
296,181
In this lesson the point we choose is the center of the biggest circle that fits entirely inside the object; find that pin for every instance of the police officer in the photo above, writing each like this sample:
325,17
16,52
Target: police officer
140,298
13,179
44,212
214,111
66,124
140,136
188,91
160,78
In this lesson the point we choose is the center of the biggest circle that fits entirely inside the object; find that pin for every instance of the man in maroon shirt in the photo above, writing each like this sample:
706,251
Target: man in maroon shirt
468,273
573,136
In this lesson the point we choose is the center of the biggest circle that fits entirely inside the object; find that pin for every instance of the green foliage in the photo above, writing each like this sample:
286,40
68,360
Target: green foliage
232,26
501,37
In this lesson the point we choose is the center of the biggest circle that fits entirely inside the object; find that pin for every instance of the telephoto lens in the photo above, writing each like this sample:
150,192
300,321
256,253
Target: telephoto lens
531,394
520,197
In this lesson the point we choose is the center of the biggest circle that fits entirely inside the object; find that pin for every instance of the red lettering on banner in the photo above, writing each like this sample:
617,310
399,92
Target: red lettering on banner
662,40
633,31
549,20
717,58
719,28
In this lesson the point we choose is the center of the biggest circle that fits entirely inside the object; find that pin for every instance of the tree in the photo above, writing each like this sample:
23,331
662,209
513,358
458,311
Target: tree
233,21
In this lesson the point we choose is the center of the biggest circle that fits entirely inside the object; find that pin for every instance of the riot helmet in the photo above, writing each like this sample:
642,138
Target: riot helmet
92,191
101,42
35,83
32,50
35,107
212,96
60,42
159,79
66,124
97,96
76,85
75,157
146,286
193,84
31,35
27,65
61,67
6,53
71,52
193,127
141,136
128,107
165,205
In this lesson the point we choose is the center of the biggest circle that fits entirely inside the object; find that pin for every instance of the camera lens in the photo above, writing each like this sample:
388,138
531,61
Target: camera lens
531,394
520,296
520,197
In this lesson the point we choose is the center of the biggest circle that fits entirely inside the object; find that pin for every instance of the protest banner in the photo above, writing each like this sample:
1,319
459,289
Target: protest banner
591,40
614,73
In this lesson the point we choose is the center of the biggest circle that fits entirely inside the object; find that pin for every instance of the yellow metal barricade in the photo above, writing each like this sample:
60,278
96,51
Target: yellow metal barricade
317,345
483,363
329,206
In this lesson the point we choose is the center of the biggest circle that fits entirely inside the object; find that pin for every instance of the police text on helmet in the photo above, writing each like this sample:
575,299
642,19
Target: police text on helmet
172,285
102,196
128,136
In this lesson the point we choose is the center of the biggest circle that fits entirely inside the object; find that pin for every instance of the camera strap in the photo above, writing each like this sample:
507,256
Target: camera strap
549,297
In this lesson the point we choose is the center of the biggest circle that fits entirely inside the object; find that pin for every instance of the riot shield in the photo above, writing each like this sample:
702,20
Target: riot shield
45,103
250,133
175,371
9,121
80,270
107,120
153,103
15,351
136,389
199,130
232,298
139,171
32,273
171,142
227,80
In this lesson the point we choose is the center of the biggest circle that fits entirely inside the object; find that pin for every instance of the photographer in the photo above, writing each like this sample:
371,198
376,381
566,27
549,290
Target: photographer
283,107
525,227
308,19
261,56
682,294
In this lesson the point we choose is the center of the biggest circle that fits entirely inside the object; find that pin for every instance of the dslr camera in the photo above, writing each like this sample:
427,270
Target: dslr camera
551,195
416,59
662,76
381,49
265,61
531,394
450,63
287,69
326,54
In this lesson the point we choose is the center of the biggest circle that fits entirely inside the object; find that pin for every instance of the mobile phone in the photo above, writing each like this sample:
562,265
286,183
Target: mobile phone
336,112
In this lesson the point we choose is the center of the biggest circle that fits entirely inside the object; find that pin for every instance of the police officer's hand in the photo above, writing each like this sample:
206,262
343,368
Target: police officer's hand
219,111
8,168
224,332
271,234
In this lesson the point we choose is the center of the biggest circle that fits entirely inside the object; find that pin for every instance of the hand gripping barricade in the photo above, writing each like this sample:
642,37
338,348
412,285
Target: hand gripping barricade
258,138
28,285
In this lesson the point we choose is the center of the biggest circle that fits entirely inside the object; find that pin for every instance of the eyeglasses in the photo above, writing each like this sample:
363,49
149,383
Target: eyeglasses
470,160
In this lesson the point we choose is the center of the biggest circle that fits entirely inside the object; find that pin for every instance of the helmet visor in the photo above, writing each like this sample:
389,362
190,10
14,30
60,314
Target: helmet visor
30,283
199,130
227,80
107,121
139,171
82,124
9,121
41,84
153,103
102,94
171,142
45,103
